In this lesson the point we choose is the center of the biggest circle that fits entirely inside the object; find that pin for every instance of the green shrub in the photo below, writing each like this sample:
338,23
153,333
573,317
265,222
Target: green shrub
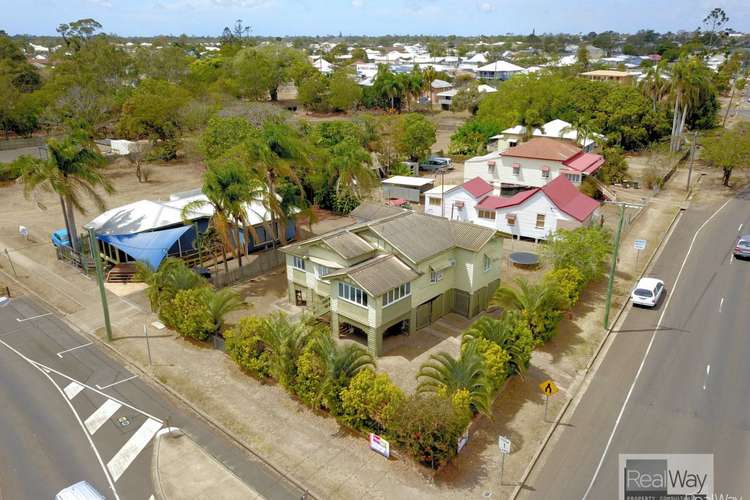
495,362
310,377
585,248
371,401
543,324
244,344
569,283
189,313
511,332
428,428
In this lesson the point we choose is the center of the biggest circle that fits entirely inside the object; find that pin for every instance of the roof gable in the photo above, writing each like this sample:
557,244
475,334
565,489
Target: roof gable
543,148
495,202
477,187
565,196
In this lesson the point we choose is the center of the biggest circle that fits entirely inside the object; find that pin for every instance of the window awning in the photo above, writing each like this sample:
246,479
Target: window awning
442,264
328,263
151,247
545,169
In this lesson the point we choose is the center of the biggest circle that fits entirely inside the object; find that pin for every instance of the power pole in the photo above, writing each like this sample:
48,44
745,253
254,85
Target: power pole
615,251
100,279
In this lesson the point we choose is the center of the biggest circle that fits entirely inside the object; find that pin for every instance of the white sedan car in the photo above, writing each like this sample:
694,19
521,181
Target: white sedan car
647,292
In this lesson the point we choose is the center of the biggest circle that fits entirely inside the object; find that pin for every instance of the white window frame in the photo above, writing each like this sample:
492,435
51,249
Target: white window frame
350,293
298,263
435,202
575,178
487,264
545,172
436,276
544,221
396,294
319,274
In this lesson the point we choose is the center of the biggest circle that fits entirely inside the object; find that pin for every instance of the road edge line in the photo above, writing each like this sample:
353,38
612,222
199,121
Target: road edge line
600,349
202,414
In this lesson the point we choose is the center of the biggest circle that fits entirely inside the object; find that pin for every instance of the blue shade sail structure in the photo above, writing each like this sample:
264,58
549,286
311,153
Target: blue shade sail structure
151,247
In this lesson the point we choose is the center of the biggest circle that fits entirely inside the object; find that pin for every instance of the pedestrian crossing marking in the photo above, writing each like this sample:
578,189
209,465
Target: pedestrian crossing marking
137,442
101,415
72,389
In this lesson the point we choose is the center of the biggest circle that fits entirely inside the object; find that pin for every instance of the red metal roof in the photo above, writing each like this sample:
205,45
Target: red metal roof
585,163
495,202
569,199
543,148
477,187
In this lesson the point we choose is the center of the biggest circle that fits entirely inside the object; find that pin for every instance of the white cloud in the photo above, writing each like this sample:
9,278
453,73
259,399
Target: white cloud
239,3
358,3
487,7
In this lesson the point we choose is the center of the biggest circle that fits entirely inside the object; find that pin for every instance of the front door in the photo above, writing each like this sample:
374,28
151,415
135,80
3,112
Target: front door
299,298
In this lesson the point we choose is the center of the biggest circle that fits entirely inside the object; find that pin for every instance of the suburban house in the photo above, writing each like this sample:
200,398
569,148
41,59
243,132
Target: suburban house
149,231
398,273
436,88
534,213
609,75
499,70
433,199
533,164
445,99
555,129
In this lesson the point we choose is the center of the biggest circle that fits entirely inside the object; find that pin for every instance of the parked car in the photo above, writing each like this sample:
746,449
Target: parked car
647,292
80,491
436,163
60,238
742,247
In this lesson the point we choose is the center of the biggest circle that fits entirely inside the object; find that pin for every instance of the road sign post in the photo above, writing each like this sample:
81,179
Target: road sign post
638,245
504,444
148,346
549,388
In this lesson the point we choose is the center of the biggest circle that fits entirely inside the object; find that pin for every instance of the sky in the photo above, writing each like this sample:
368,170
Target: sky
368,17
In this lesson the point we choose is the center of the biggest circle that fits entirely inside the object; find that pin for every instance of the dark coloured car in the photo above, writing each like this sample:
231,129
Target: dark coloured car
742,248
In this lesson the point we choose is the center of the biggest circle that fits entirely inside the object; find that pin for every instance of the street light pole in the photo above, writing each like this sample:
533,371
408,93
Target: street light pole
100,279
615,251
692,157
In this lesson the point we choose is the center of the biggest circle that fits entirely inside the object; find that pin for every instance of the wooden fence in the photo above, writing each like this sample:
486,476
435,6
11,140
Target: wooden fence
262,263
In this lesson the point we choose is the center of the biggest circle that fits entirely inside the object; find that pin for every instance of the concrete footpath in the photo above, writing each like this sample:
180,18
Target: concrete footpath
182,469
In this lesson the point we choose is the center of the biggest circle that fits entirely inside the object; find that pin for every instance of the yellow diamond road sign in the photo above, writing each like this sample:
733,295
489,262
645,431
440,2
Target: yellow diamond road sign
548,387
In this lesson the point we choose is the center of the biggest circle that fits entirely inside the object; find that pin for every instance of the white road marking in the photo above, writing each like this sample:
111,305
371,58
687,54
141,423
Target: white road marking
731,258
59,354
115,383
101,415
721,304
72,389
33,317
137,442
46,371
705,381
739,228
648,350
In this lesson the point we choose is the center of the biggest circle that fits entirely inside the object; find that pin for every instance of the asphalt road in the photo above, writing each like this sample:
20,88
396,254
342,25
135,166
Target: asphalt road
691,395
70,412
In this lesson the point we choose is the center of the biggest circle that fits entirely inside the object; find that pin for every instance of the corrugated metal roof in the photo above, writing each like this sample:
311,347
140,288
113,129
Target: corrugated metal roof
419,237
348,245
379,275
372,211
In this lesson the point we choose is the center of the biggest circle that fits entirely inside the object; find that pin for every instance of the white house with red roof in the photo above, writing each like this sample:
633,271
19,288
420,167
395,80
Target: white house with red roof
534,213
533,164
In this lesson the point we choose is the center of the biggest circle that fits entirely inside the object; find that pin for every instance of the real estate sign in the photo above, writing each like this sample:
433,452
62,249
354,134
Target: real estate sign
380,445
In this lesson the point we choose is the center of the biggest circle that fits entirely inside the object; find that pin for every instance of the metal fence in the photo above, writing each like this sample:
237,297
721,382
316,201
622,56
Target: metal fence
263,263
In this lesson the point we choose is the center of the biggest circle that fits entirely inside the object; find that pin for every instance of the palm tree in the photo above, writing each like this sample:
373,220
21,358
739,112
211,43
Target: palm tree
73,169
687,79
500,332
341,363
525,297
285,342
443,373
172,276
222,303
351,164
582,127
277,152
654,85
